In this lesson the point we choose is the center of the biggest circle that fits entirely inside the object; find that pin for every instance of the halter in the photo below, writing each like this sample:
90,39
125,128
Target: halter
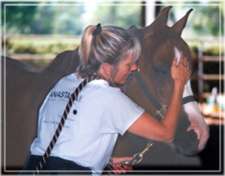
152,100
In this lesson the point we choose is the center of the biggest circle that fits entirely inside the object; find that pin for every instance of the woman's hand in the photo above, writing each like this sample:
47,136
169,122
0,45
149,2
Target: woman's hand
180,72
117,165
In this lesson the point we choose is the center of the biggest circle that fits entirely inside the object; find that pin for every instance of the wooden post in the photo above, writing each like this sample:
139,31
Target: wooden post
149,12
200,72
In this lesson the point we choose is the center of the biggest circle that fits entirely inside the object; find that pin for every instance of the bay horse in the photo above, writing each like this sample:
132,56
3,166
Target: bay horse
25,90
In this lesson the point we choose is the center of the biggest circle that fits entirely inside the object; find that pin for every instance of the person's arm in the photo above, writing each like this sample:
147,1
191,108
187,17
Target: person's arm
164,130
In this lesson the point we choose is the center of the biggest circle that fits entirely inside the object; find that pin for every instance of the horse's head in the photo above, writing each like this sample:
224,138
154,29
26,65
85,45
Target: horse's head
158,50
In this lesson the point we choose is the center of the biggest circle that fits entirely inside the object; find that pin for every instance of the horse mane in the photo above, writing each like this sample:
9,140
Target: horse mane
64,63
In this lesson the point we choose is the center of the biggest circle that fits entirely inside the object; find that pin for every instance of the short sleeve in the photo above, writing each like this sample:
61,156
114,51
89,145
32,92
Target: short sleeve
122,112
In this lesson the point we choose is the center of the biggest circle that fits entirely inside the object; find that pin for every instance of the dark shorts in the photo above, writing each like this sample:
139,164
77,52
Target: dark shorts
55,165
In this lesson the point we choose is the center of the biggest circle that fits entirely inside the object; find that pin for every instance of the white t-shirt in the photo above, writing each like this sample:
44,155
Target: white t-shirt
88,137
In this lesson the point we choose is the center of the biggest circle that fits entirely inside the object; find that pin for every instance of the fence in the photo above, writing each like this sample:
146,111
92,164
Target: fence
210,73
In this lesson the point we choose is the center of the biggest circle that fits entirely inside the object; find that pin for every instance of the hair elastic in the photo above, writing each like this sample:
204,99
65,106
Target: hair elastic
97,30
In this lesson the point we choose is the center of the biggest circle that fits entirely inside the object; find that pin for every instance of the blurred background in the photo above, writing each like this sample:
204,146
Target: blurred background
35,32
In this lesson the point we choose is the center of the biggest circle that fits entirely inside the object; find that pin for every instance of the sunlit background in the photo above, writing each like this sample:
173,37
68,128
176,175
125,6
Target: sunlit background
36,32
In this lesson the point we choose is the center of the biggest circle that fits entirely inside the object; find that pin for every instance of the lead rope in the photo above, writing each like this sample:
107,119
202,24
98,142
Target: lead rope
72,98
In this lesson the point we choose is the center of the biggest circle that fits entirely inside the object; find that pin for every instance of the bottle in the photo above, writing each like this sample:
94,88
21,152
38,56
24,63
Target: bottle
212,102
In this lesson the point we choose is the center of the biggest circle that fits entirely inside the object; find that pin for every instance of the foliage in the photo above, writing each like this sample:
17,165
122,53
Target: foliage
70,18
19,17
207,18
118,14
208,21
212,50
40,45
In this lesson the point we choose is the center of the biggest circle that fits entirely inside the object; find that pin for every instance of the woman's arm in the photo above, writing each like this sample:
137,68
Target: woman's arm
164,130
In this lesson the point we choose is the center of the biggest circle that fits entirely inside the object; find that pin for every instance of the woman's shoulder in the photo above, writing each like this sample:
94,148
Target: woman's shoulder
71,78
102,90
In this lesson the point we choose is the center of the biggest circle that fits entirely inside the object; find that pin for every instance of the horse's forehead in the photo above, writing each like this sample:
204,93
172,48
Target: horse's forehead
165,33
159,36
159,43
154,40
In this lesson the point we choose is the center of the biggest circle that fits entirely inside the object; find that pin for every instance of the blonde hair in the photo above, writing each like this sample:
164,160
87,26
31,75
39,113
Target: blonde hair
108,45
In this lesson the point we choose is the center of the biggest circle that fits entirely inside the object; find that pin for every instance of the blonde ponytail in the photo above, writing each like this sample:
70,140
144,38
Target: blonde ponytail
86,44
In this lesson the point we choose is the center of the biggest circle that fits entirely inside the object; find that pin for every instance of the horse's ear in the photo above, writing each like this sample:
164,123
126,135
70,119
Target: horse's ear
179,25
161,19
133,30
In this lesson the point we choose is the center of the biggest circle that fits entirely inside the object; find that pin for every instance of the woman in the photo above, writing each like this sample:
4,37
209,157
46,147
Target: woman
101,111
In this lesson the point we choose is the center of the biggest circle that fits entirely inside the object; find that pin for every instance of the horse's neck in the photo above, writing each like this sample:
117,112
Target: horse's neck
137,93
64,64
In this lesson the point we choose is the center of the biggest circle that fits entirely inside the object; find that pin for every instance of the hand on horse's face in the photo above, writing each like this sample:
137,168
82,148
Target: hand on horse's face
180,72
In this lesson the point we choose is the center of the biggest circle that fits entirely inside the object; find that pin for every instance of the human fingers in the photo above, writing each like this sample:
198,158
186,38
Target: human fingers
119,164
121,168
121,159
184,61
186,68
184,64
183,72
117,169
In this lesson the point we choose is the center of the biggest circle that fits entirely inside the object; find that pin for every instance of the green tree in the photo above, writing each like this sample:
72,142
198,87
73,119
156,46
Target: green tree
68,20
119,14
42,22
18,17
43,18
209,19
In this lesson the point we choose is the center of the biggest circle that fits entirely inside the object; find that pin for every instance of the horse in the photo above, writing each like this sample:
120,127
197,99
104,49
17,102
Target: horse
26,89
158,44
